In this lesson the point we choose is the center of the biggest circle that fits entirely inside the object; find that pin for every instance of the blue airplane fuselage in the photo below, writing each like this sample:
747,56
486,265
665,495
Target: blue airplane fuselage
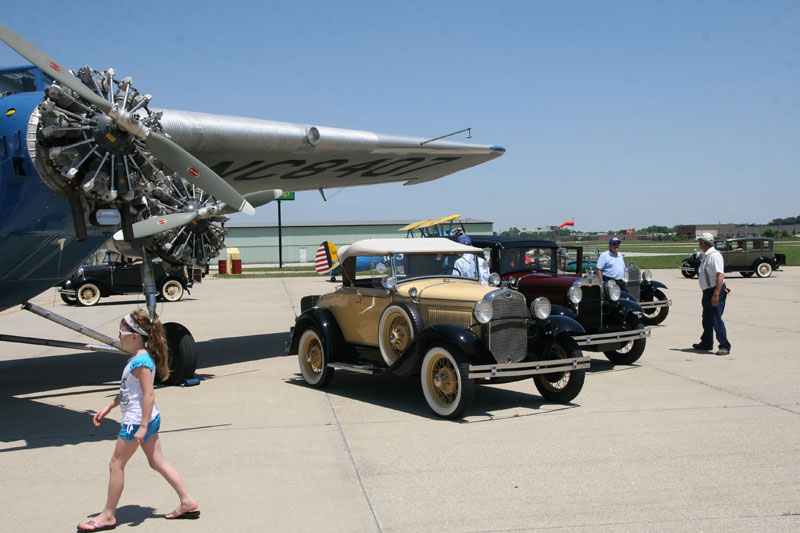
38,247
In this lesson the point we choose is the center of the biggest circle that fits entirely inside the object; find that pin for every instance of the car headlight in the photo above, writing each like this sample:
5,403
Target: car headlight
647,275
494,279
626,276
413,293
540,308
575,294
388,282
613,290
80,271
483,311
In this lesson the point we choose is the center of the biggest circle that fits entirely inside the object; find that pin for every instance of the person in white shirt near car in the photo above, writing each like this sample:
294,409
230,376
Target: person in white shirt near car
611,265
711,275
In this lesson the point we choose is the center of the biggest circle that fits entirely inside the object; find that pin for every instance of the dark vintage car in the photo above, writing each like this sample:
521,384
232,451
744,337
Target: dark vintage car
417,307
746,255
117,275
639,283
610,320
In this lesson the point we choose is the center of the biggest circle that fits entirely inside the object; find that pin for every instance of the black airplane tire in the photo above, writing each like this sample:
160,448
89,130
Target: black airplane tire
658,314
182,354
561,387
87,294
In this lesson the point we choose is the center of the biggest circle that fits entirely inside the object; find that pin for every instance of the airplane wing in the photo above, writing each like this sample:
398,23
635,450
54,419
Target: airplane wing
254,155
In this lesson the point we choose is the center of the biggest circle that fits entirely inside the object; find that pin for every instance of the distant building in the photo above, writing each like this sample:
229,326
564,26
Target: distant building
257,242
537,229
726,231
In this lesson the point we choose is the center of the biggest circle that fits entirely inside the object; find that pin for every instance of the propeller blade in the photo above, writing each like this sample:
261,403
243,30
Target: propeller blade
153,225
36,56
257,199
188,166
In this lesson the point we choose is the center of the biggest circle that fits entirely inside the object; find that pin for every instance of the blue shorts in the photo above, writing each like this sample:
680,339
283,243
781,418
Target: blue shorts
129,430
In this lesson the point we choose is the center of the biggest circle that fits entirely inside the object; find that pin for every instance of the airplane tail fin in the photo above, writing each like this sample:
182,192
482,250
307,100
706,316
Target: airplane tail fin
327,259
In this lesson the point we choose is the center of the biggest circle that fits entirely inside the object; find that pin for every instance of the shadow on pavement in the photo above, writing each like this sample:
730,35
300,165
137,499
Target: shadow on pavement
31,415
405,394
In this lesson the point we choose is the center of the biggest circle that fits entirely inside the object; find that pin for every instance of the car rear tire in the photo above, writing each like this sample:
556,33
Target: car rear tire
313,361
87,294
561,387
764,270
631,352
172,290
69,300
688,272
657,314
747,274
181,354
399,324
445,382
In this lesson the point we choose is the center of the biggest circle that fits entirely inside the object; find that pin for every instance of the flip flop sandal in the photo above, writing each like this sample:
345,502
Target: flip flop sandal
188,515
97,526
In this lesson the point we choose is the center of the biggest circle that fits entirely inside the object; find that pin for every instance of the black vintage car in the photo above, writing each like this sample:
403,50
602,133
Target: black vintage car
639,283
610,319
746,255
117,275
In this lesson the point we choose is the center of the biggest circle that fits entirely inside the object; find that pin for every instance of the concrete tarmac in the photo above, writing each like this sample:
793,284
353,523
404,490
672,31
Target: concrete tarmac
679,441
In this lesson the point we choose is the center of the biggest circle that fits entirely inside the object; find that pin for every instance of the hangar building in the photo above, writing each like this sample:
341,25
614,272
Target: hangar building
257,242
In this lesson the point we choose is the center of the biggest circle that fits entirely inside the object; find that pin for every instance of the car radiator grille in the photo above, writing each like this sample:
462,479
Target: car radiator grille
634,282
590,310
507,331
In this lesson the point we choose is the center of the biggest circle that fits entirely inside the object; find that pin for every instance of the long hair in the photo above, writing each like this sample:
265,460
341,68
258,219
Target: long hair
156,342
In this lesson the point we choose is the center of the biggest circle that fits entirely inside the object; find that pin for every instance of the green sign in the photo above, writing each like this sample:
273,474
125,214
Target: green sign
286,196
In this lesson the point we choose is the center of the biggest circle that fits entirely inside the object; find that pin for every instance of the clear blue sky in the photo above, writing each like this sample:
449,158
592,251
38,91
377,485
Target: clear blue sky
620,114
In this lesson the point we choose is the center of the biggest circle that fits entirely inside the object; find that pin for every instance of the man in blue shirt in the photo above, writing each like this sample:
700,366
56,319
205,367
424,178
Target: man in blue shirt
611,265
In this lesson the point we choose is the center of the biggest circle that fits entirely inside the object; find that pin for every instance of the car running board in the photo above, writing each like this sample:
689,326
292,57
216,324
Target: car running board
362,369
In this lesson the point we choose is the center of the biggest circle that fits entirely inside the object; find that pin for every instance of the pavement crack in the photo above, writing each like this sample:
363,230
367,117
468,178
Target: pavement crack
355,466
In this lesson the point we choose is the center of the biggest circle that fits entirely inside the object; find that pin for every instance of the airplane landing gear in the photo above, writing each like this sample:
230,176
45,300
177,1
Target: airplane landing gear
181,348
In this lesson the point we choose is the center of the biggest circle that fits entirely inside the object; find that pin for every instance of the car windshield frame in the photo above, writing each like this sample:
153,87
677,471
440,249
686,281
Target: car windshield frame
410,266
530,258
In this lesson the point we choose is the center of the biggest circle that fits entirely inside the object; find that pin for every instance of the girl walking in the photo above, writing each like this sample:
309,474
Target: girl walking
145,339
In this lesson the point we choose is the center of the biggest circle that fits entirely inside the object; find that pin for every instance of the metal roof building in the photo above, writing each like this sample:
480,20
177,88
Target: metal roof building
257,242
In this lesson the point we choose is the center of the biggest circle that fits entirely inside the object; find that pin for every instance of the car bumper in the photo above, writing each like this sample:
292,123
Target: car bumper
529,368
598,339
67,292
655,304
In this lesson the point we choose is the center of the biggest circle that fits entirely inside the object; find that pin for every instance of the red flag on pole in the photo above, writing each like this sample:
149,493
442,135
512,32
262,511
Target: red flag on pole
567,223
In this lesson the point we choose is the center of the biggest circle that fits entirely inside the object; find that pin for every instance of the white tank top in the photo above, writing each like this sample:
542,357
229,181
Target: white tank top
130,391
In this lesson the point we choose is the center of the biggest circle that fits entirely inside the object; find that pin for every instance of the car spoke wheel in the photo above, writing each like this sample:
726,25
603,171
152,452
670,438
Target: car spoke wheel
764,270
631,351
561,387
656,315
172,290
445,382
88,294
313,361
399,324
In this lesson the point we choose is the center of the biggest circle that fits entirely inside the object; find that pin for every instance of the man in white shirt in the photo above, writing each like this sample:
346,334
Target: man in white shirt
611,264
711,275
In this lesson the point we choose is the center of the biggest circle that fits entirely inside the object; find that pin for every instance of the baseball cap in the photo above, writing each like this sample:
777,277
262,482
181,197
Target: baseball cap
614,240
707,237
464,239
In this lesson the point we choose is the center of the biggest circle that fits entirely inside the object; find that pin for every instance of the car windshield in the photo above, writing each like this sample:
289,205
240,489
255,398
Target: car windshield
532,258
408,266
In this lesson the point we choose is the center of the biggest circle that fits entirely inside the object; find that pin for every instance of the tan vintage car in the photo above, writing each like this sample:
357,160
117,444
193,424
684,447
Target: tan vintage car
417,307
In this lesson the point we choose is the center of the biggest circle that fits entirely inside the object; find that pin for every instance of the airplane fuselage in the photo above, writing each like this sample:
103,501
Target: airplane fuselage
38,246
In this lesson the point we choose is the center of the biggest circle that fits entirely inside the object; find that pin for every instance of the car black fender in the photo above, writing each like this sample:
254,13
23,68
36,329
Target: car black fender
325,323
628,306
468,342
560,310
543,333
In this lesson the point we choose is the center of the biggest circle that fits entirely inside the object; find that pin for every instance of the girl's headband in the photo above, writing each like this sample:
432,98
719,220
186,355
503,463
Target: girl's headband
131,324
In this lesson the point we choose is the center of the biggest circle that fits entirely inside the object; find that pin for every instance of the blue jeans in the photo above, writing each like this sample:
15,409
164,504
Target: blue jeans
712,320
